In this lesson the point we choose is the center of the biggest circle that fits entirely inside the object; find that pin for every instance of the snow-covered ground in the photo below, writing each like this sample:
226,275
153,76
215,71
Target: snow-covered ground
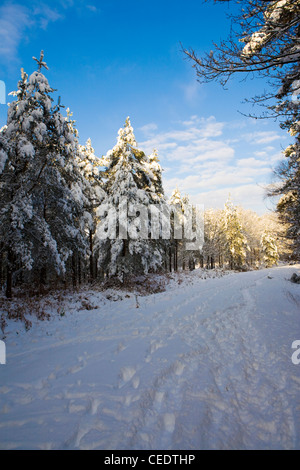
204,365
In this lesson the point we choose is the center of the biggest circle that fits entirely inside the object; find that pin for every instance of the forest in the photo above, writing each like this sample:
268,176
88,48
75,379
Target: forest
58,200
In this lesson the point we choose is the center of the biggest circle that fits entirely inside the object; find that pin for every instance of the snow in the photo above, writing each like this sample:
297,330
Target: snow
3,159
206,364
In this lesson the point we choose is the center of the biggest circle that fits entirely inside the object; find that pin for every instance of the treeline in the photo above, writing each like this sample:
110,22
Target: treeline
235,238
61,206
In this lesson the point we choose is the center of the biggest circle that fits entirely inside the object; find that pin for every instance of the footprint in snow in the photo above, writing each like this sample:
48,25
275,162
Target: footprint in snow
136,382
158,400
93,406
169,422
179,368
126,374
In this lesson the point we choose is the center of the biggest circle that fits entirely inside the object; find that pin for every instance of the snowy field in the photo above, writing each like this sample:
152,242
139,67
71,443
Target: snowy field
204,365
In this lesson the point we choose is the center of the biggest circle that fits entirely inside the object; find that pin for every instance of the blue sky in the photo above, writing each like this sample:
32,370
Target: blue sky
110,59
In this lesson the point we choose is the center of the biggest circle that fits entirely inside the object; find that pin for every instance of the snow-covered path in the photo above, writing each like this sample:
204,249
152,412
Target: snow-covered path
204,365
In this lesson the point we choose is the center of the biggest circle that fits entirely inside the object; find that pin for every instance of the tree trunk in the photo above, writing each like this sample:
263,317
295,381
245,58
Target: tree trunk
9,273
79,269
201,261
125,247
43,275
74,274
92,273
1,265
96,270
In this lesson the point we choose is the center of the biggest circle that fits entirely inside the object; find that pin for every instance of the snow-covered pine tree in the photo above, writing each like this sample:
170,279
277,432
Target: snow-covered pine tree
269,250
236,242
288,206
122,235
253,227
155,173
159,206
40,200
89,163
183,218
176,204
90,166
89,190
14,207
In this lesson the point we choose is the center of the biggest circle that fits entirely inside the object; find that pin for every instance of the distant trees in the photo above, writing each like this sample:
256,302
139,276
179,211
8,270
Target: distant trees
269,250
187,232
213,253
235,239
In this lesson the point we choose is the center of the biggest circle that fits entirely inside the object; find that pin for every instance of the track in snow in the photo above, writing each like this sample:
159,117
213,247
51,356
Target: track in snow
201,366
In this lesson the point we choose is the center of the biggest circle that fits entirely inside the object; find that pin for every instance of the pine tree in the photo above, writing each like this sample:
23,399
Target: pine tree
155,173
269,250
90,167
185,230
40,193
176,204
160,215
123,239
288,206
236,242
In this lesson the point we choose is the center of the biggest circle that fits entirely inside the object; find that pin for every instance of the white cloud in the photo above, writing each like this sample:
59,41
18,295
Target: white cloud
263,137
190,141
191,91
252,162
44,15
208,164
17,19
148,129
260,154
92,8
213,178
209,127
14,20
249,196
66,3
